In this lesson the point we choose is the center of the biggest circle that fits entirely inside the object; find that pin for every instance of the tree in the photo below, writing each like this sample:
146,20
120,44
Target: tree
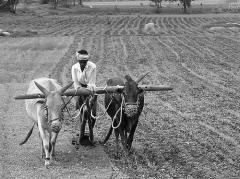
8,5
186,4
55,4
80,2
157,3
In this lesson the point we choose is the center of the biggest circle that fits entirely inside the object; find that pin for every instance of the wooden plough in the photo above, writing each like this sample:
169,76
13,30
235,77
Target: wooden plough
97,90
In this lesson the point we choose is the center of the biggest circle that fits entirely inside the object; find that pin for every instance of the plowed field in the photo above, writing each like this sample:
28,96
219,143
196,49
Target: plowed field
190,132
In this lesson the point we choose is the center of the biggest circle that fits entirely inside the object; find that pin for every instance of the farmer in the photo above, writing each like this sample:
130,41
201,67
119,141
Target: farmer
83,75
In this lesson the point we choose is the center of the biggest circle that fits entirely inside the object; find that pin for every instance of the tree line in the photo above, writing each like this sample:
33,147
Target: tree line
10,5
185,3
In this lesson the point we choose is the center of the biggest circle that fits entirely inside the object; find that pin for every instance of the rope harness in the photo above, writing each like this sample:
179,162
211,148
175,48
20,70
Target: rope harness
129,109
115,116
49,122
97,117
80,112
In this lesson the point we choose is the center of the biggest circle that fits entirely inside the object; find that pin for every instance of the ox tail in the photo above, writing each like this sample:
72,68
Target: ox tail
108,135
28,135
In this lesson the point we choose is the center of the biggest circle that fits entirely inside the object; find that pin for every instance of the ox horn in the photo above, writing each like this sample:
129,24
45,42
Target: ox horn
63,89
41,88
141,77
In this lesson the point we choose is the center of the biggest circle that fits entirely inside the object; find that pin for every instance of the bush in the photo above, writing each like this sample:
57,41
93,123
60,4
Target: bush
44,1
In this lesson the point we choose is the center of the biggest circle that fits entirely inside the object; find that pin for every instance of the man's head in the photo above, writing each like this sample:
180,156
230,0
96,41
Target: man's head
82,57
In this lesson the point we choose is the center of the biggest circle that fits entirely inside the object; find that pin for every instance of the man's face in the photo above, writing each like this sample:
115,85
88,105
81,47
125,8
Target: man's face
83,64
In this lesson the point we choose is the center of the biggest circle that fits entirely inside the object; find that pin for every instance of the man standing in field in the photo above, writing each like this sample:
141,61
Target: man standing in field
83,75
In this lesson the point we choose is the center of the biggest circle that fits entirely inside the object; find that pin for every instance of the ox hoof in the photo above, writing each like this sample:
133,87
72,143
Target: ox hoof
75,140
129,145
47,164
85,141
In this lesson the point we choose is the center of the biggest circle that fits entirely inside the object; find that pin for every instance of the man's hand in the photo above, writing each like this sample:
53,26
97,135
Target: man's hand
91,88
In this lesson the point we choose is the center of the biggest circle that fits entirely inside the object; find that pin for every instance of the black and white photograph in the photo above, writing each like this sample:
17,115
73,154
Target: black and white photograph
120,89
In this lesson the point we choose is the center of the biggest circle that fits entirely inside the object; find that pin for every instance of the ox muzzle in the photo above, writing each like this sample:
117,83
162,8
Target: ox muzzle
131,109
54,124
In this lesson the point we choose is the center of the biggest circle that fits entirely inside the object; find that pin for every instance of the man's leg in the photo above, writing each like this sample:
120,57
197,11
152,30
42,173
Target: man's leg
77,102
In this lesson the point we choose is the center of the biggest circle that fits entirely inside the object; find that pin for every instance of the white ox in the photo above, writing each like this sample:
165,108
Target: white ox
46,113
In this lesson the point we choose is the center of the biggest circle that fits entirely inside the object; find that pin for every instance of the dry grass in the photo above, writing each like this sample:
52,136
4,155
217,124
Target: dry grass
191,132
25,56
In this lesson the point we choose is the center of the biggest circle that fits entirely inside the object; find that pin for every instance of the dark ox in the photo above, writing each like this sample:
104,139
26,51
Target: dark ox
124,108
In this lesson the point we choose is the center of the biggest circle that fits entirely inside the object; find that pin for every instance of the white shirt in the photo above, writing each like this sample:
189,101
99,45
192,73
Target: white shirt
86,77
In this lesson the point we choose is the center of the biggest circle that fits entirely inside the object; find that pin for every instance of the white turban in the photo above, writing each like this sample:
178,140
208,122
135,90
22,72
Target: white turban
81,57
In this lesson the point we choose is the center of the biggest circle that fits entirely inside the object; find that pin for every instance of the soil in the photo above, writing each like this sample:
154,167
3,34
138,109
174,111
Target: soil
190,132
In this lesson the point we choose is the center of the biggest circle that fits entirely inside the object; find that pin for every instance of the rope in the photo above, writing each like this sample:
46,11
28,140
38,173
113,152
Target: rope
115,116
65,104
80,110
73,117
97,117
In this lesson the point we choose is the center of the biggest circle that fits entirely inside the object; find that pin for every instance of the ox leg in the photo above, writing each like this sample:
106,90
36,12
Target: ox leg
123,139
82,126
130,137
90,130
108,135
41,141
53,142
46,145
43,152
116,141
91,121
125,135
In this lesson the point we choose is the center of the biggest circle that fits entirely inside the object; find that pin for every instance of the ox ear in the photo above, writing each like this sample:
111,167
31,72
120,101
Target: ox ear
41,88
63,89
141,77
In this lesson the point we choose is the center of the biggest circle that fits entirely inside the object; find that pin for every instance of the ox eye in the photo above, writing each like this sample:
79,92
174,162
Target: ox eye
140,90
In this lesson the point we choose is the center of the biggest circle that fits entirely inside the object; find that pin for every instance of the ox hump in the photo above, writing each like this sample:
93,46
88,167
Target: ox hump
115,81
